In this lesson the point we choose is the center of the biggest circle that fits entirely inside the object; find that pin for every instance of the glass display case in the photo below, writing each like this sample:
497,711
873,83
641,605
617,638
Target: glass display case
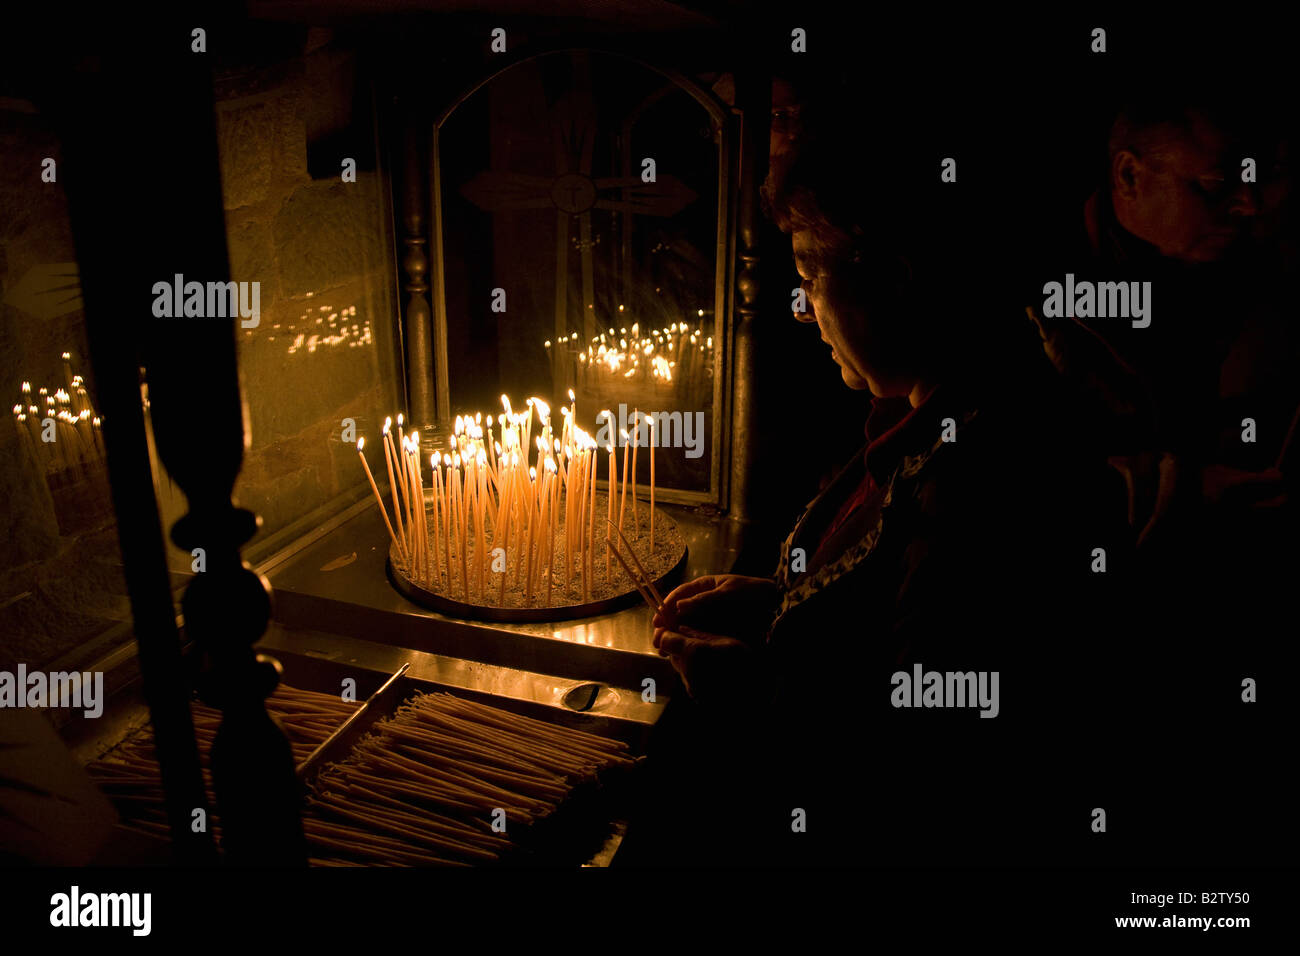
556,228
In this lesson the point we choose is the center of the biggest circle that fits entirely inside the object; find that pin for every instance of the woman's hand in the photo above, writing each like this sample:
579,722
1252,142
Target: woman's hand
714,668
732,604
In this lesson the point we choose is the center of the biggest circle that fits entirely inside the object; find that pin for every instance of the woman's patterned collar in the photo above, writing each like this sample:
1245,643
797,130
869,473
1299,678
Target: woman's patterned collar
798,588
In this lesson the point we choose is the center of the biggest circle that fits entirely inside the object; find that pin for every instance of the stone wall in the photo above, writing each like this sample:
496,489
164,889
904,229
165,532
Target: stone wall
322,251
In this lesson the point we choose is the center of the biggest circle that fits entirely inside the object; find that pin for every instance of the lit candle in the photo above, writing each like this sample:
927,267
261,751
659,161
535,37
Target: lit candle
550,527
590,548
462,524
453,504
636,429
99,435
392,483
512,477
467,510
413,491
622,500
527,564
405,495
611,483
481,467
20,426
435,486
579,488
444,494
654,440
373,487
542,527
408,496
528,430
568,515
417,490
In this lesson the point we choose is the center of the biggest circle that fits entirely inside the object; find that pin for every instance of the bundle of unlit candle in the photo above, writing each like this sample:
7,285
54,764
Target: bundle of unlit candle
519,511
444,782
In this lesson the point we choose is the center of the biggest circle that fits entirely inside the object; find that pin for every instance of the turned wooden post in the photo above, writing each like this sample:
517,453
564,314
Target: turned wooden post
426,345
145,187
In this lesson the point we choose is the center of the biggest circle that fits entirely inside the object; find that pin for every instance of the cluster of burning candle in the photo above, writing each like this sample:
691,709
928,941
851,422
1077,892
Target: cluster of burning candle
59,428
657,356
500,490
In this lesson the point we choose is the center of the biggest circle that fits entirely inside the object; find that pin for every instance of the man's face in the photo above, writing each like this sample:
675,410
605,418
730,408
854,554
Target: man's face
1185,196
784,130
857,332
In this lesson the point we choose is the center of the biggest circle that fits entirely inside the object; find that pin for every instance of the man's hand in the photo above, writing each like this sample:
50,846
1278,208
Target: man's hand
714,668
739,606
1221,484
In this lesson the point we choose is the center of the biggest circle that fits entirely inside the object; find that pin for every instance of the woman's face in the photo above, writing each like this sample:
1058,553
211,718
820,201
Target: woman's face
863,331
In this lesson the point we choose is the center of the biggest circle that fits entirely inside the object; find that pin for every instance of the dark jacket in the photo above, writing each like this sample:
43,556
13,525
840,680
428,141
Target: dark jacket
973,555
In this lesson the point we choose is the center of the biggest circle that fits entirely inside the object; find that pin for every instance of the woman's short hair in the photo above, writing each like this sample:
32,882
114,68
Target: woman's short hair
869,184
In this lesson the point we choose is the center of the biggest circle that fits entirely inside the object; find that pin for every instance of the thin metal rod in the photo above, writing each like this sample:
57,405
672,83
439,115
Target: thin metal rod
305,768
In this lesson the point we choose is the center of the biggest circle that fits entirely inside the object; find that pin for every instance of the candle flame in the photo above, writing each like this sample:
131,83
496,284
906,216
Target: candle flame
399,419
361,443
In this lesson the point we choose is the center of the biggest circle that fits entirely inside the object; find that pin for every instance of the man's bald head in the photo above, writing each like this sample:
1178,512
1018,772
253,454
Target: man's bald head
1175,179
